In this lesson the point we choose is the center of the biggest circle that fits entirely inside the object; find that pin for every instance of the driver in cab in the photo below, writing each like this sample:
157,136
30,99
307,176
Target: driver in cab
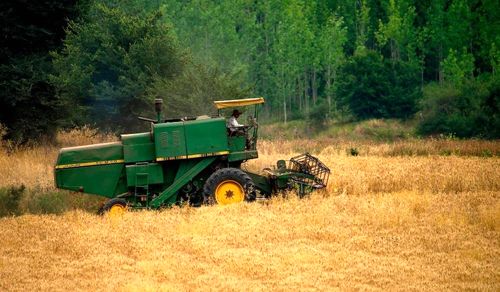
232,122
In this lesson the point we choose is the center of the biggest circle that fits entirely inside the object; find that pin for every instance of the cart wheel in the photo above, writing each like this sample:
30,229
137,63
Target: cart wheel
227,186
114,207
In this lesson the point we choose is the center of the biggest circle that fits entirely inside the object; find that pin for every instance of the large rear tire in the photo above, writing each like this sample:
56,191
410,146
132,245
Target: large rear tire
228,186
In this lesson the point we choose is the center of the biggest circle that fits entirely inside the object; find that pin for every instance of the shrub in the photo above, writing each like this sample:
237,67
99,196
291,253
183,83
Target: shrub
18,200
9,200
376,88
470,110
318,115
353,151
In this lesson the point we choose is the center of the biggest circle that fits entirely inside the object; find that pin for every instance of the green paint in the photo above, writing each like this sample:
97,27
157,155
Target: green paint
263,183
206,136
170,140
99,180
90,153
152,172
237,143
138,147
242,155
168,195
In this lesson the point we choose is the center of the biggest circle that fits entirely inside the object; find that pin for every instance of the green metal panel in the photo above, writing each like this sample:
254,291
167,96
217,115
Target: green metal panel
153,171
237,143
206,137
94,169
168,195
170,141
242,155
170,170
104,180
121,186
103,153
138,147
184,166
261,182
138,138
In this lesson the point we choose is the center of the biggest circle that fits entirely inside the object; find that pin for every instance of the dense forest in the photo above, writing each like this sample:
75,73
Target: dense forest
65,63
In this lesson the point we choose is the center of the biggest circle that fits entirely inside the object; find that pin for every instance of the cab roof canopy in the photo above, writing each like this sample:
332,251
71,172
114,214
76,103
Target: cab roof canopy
220,104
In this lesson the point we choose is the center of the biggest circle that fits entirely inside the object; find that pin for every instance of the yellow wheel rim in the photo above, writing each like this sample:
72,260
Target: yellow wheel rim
229,192
116,210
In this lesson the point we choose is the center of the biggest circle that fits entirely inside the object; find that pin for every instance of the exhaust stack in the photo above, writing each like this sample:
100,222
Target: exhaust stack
158,107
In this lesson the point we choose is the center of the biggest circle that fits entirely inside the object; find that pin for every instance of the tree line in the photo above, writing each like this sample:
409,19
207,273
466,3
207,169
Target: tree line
102,62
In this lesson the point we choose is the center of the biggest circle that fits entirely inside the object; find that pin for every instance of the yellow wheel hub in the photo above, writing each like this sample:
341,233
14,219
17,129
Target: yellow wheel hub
229,192
117,210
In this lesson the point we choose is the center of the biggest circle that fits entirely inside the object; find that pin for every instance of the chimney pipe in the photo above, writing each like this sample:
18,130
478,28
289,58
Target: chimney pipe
158,107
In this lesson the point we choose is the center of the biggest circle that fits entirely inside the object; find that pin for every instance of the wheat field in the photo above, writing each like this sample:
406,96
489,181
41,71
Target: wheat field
389,219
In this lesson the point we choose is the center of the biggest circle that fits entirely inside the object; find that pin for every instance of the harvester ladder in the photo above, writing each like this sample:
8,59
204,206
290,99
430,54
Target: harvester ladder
141,186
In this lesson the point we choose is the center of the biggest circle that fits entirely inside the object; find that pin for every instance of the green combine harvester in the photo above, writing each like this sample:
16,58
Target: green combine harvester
195,160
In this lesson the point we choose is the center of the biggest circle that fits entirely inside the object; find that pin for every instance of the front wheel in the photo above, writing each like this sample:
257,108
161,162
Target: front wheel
114,207
228,186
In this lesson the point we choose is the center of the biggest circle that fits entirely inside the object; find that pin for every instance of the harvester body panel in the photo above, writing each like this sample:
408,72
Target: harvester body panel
138,147
206,137
94,169
170,141
190,139
144,174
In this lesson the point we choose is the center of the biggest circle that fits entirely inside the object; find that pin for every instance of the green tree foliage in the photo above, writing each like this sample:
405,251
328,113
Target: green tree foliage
399,31
363,29
29,107
109,61
292,60
376,88
191,93
318,115
458,67
495,59
469,110
332,39
371,57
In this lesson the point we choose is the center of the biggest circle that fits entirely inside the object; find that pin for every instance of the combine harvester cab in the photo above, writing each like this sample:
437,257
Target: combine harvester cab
193,160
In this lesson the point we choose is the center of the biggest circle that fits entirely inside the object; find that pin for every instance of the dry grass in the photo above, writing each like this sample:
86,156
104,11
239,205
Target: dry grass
372,174
404,240
407,147
33,165
405,222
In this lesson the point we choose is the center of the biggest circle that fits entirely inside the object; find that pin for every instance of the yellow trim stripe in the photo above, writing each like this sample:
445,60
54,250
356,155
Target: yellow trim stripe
105,162
192,156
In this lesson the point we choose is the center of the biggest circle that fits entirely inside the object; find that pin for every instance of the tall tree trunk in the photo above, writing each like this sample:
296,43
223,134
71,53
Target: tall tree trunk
440,68
334,93
299,94
284,93
329,86
284,108
422,77
314,86
284,101
306,96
